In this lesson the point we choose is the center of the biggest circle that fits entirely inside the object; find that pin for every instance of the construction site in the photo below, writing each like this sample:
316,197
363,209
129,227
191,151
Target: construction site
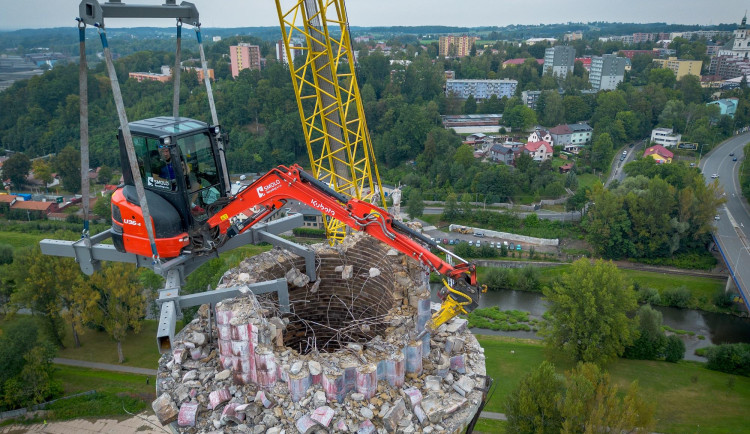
338,336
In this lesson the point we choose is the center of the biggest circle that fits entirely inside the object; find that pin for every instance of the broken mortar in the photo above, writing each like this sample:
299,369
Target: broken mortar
345,359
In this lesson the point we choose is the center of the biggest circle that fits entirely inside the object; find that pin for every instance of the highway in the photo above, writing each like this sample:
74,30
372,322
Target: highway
733,226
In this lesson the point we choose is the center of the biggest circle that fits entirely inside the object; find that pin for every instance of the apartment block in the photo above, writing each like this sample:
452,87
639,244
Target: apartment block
244,56
481,89
607,72
455,46
681,68
559,61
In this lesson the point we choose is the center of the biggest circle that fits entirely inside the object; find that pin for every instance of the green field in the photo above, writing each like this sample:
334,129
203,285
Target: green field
588,180
19,239
688,397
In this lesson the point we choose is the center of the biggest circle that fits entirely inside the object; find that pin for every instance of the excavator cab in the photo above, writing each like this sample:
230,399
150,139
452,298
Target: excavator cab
183,177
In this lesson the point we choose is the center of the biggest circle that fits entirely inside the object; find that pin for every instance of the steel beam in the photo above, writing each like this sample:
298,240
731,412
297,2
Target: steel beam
93,13
299,250
171,302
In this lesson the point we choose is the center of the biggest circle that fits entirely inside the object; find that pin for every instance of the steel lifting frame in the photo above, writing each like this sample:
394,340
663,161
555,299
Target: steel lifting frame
89,254
93,13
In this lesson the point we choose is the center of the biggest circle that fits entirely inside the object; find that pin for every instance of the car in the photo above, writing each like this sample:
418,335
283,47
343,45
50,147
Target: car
692,164
731,154
624,152
717,217
479,243
456,241
479,234
445,240
471,242
734,159
437,241
505,243
623,158
518,247
492,244
714,176
452,242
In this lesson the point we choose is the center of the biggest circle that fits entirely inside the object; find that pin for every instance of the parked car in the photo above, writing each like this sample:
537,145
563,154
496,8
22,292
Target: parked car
445,240
492,244
471,242
456,241
518,247
479,234
452,242
479,243
717,217
505,243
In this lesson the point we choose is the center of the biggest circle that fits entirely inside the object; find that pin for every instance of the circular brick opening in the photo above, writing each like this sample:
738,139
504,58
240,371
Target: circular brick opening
348,305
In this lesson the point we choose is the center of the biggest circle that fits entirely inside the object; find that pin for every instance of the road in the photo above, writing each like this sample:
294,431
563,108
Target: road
733,226
542,213
616,171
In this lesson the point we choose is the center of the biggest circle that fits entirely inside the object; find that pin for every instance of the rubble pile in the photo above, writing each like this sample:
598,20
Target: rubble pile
345,359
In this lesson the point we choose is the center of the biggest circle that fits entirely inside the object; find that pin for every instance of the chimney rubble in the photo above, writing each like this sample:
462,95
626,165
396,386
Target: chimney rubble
344,360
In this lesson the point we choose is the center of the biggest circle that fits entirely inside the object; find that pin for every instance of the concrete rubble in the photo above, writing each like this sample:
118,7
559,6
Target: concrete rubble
345,360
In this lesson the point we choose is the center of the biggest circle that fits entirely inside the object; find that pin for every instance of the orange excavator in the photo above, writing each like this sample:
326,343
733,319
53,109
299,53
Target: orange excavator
191,213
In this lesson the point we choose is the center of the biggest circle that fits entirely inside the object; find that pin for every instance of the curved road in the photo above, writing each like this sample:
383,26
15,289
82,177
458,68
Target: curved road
733,227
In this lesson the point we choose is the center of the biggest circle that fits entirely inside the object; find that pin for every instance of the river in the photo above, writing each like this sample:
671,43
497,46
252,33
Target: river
715,327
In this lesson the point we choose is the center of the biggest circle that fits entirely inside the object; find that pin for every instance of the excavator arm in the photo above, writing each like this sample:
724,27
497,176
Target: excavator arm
273,190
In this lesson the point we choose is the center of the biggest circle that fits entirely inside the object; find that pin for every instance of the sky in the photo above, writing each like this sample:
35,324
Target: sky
17,14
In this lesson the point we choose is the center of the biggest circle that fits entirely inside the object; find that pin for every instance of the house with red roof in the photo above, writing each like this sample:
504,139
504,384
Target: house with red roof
659,153
539,135
520,61
539,151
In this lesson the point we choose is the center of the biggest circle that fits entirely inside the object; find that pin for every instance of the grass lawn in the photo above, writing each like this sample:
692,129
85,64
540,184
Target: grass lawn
140,349
19,239
489,426
688,397
588,180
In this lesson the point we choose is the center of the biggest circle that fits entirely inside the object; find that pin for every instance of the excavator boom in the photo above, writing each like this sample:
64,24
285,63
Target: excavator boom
271,191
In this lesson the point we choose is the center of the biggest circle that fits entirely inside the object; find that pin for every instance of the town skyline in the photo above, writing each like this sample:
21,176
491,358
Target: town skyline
227,14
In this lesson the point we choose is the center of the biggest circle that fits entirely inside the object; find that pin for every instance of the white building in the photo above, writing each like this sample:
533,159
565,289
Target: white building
558,61
607,72
481,89
740,44
665,137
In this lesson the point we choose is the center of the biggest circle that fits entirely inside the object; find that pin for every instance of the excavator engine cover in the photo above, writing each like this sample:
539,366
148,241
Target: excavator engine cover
129,231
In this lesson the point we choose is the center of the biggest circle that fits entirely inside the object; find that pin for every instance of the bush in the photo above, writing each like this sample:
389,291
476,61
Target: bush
723,298
527,279
650,343
677,297
674,350
729,358
6,254
309,232
648,295
497,279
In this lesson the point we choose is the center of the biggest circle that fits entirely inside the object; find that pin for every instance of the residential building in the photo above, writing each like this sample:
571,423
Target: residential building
585,61
539,135
530,97
455,46
727,106
502,154
574,36
644,37
559,61
630,53
572,137
486,123
726,67
539,151
659,153
532,41
199,72
216,39
680,67
481,89
149,76
607,72
244,56
281,51
520,61
665,137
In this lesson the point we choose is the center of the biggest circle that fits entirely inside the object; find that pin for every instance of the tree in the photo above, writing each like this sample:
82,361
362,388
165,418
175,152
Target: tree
532,407
519,117
450,211
415,204
470,105
102,207
662,76
105,175
67,163
16,168
601,151
116,303
42,172
554,110
674,350
589,310
651,340
593,404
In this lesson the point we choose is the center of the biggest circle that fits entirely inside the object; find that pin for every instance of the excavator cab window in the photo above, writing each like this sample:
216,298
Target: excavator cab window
202,176
158,169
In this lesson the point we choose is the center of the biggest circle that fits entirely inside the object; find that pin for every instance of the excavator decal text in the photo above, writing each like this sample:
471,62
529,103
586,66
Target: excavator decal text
322,207
265,189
